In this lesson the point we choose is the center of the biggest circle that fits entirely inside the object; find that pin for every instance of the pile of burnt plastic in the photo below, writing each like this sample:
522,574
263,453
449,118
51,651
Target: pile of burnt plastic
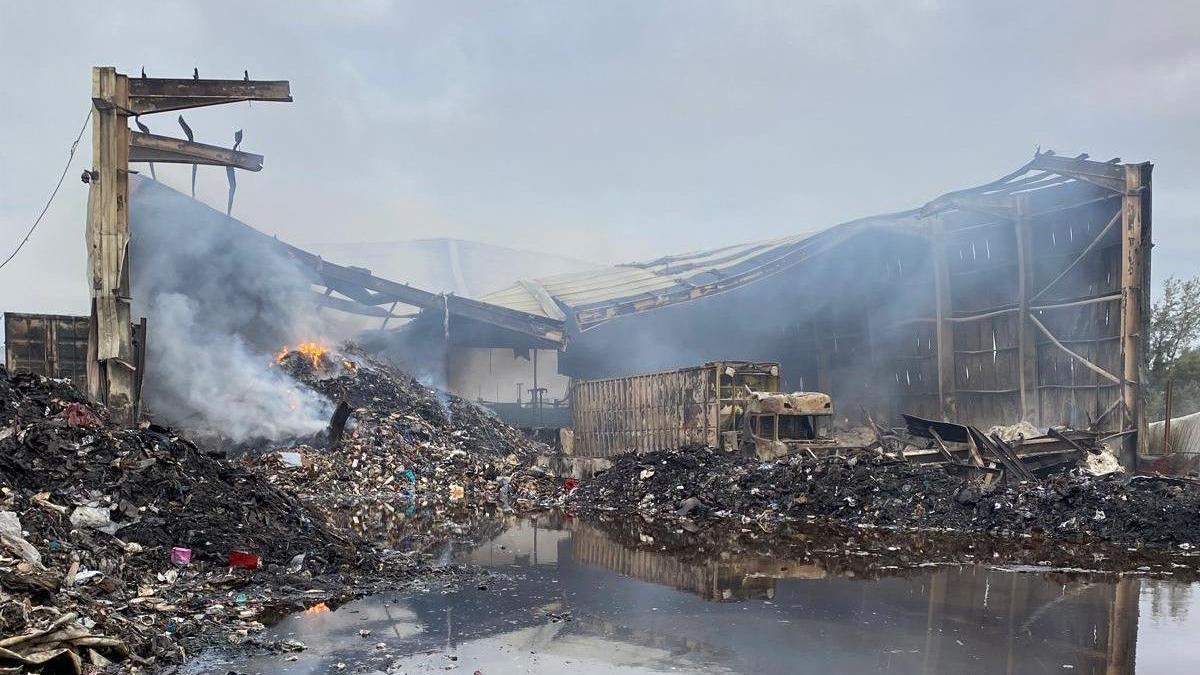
700,483
406,447
118,543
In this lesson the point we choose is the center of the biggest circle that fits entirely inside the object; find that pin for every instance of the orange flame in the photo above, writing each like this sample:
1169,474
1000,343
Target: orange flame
319,608
313,351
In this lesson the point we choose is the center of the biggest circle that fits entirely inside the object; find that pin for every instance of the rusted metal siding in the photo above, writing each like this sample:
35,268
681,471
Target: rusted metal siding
47,344
661,411
654,411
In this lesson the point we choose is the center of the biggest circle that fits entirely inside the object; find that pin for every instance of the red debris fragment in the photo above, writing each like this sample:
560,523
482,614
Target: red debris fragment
570,484
243,559
79,415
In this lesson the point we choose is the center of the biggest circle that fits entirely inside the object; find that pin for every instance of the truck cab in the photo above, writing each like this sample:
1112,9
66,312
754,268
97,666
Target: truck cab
776,424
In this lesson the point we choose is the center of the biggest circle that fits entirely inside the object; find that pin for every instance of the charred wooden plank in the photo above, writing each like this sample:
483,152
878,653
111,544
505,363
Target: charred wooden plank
156,94
1081,449
154,148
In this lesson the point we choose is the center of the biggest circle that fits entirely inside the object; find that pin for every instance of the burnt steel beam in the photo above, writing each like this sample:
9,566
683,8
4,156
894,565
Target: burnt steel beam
1106,175
156,94
357,293
155,148
1000,205
1001,186
337,276
351,307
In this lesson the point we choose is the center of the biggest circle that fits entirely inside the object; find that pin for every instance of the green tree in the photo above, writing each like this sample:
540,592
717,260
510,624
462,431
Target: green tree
1171,348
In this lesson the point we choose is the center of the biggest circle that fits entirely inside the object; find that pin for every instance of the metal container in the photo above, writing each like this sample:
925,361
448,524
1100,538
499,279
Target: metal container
664,410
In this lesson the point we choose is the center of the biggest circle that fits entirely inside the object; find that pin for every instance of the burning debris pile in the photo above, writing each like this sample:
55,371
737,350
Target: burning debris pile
403,441
698,484
119,543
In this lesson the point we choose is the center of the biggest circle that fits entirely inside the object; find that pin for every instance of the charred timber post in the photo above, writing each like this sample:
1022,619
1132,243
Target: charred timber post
947,395
113,377
1135,287
1027,337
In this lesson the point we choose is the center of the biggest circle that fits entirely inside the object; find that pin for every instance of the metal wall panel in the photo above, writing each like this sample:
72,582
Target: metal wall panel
653,411
52,345
663,410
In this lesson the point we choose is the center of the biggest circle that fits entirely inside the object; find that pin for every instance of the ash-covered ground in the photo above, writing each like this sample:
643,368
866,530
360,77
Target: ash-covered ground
701,485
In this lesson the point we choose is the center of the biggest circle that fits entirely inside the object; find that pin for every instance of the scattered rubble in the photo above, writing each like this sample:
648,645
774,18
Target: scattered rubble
874,490
133,545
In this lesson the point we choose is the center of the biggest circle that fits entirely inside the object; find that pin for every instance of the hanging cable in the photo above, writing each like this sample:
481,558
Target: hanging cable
70,158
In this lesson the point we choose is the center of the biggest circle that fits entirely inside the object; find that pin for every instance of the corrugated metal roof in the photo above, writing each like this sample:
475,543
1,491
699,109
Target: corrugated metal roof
647,280
594,296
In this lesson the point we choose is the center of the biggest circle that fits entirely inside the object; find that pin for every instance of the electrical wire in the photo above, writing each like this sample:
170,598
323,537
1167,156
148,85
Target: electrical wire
70,158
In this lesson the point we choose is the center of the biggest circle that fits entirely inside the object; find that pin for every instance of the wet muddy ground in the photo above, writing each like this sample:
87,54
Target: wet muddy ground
564,595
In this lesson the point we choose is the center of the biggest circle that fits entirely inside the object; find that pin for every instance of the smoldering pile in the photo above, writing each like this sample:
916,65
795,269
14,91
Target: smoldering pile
699,484
407,447
154,486
121,539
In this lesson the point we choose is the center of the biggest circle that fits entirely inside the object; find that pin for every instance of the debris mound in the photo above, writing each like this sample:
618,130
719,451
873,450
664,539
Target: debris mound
404,441
700,483
146,485
90,514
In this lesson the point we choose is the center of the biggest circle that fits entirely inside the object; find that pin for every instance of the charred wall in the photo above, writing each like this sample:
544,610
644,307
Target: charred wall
984,308
986,261
830,323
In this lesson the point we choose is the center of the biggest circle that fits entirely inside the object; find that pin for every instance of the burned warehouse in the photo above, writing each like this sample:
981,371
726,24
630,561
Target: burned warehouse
1022,299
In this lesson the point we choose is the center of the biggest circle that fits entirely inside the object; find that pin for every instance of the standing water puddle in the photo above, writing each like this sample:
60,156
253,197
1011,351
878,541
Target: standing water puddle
564,597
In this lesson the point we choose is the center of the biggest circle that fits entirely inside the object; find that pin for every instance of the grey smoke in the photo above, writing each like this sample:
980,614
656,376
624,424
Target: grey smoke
220,299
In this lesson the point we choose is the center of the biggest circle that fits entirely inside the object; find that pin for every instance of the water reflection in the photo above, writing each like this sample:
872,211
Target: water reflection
567,596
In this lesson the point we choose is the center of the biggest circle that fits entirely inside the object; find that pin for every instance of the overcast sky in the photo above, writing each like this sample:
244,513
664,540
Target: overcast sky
608,131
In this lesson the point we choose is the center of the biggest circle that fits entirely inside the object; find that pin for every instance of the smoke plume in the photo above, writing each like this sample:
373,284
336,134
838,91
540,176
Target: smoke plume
220,299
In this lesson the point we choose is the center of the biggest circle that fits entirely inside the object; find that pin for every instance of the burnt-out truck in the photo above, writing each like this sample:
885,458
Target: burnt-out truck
732,405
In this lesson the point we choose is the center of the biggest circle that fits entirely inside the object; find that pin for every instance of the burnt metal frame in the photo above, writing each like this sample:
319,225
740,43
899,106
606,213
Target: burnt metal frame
1131,184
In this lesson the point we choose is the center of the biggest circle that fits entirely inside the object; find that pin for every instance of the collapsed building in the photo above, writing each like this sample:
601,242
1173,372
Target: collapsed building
1022,299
